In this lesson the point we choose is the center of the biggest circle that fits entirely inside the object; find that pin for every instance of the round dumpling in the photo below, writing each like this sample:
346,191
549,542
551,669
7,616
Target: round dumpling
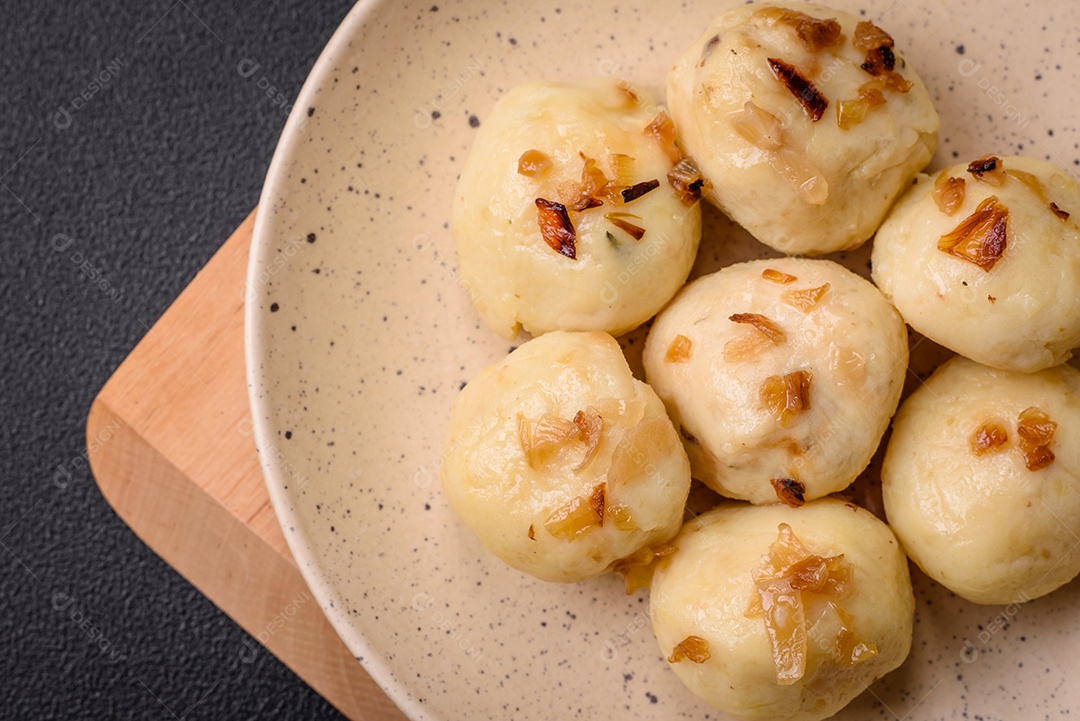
562,462
783,614
981,480
807,121
564,216
984,259
781,376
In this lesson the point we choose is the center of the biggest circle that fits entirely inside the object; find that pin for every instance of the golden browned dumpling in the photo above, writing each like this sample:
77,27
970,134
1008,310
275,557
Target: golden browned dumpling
808,121
984,258
982,480
780,374
771,613
561,461
565,218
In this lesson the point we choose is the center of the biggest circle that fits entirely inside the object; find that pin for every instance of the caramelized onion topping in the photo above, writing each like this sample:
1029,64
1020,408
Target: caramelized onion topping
679,350
693,648
786,580
869,36
785,626
990,436
810,574
593,183
1030,181
745,347
949,193
541,438
1036,187
980,238
811,99
1035,427
797,170
763,130
1036,431
589,425
630,468
544,437
596,501
592,177
766,327
849,649
815,34
806,299
662,130
751,344
896,82
1037,457
623,167
879,61
620,517
573,519
989,170
818,34
850,113
787,396
533,163
636,191
596,187
758,127
776,276
850,365
631,96
688,181
789,491
556,228
870,91
619,221
636,569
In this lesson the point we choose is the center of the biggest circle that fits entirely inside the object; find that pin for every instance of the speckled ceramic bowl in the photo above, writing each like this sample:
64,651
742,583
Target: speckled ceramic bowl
359,337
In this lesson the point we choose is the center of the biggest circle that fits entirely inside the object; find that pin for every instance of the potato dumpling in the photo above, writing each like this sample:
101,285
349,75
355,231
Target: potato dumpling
807,121
982,480
781,376
565,217
783,614
984,258
562,462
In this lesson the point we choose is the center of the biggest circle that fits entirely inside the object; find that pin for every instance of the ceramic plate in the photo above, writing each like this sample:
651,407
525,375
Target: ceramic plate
359,336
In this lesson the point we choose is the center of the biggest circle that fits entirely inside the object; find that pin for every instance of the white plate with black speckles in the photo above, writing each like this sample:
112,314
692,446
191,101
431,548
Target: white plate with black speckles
359,337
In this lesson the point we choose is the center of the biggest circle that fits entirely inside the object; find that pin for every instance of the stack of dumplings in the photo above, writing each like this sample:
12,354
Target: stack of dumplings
578,217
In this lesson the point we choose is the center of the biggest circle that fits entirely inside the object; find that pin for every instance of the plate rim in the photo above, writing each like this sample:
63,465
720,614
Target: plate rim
378,666
254,345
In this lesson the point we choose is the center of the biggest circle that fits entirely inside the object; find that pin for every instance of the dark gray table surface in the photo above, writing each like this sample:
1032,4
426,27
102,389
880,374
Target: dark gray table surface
130,148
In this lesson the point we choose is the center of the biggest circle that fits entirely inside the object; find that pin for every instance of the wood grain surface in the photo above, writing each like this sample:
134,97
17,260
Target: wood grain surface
171,447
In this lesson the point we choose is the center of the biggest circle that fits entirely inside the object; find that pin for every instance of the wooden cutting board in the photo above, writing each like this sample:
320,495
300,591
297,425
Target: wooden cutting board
170,444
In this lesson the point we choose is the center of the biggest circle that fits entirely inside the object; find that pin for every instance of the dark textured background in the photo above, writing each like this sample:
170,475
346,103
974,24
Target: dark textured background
141,183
